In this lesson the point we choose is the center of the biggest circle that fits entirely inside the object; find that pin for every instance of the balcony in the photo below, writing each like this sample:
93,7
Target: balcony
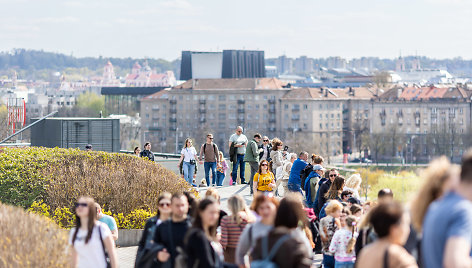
241,111
295,109
272,101
241,101
202,110
272,120
272,129
155,109
295,118
173,101
172,120
173,110
241,121
173,128
202,102
272,110
155,128
202,120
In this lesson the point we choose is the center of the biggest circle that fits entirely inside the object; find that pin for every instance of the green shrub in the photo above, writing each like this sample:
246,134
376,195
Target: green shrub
122,183
49,181
29,240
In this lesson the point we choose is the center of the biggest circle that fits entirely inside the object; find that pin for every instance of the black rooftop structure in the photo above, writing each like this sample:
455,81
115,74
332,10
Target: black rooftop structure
134,91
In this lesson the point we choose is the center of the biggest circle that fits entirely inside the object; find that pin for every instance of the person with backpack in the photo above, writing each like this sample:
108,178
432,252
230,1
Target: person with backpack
328,226
294,180
91,241
170,234
209,152
202,248
311,182
266,208
146,246
252,157
264,180
285,245
342,244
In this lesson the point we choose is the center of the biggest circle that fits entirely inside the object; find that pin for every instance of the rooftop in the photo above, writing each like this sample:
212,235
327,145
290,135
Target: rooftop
232,83
329,93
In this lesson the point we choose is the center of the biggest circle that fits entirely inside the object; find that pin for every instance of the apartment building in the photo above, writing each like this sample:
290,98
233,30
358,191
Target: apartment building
218,106
422,122
323,120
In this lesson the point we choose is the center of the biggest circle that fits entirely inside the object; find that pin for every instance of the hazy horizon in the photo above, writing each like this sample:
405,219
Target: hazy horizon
162,29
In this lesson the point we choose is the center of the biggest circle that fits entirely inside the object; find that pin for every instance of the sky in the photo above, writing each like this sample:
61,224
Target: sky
314,28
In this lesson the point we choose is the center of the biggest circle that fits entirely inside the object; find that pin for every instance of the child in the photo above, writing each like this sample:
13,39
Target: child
221,170
342,244
328,226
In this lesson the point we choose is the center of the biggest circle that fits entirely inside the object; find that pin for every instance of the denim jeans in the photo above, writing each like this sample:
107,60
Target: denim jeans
189,170
221,177
328,261
344,264
207,166
240,163
254,167
294,188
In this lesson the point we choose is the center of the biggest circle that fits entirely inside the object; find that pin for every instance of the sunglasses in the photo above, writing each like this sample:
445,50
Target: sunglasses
210,138
264,165
266,140
80,205
332,175
164,204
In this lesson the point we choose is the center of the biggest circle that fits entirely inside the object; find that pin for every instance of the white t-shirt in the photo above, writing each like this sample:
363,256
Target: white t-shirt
90,254
189,153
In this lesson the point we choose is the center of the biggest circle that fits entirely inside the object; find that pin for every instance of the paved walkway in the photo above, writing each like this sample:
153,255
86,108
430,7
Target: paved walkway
127,255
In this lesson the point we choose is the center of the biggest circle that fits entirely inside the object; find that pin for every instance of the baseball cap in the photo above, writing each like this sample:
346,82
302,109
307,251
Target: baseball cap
318,167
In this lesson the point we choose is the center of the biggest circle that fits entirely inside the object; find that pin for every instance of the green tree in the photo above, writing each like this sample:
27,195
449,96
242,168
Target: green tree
92,102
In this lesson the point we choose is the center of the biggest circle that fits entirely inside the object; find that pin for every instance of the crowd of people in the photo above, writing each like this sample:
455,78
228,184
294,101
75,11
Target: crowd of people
319,212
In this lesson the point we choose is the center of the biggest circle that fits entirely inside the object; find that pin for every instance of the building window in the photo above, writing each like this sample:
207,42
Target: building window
222,116
222,97
257,106
249,107
286,106
232,97
321,106
461,111
305,106
321,126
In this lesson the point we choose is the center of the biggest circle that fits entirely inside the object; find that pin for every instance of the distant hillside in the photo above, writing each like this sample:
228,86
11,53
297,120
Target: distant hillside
30,62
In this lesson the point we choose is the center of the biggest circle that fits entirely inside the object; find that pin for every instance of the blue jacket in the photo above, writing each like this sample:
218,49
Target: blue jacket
297,168
307,187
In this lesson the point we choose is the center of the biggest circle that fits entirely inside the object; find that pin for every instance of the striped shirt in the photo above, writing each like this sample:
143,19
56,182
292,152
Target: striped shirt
230,231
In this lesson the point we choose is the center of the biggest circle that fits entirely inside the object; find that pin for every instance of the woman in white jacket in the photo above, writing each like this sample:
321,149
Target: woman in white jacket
276,154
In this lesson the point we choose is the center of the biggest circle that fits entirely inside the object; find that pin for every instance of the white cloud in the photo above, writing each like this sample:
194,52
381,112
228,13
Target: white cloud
66,19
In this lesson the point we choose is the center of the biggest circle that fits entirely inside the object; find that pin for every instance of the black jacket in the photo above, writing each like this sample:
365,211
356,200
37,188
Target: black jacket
323,190
171,235
148,154
269,148
199,250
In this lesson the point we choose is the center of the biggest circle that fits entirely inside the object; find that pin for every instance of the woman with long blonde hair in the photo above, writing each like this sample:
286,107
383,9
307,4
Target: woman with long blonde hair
439,178
189,157
233,225
353,183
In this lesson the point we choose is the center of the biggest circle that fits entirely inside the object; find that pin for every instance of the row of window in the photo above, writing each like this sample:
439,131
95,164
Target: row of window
305,106
224,97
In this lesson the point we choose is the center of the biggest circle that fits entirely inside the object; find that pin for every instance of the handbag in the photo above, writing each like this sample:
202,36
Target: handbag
107,258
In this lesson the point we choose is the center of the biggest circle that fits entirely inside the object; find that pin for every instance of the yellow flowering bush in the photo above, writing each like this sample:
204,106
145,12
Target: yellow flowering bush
48,182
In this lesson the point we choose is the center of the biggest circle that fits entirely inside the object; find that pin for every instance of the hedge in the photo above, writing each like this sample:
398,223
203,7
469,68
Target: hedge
54,178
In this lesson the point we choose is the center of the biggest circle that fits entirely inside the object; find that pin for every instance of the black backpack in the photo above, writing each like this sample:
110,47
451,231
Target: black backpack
305,173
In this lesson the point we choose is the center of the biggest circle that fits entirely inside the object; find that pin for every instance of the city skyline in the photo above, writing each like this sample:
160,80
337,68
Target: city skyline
162,29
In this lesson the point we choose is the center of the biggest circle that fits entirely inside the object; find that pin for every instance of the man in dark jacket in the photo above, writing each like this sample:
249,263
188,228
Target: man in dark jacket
170,234
252,157
147,152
